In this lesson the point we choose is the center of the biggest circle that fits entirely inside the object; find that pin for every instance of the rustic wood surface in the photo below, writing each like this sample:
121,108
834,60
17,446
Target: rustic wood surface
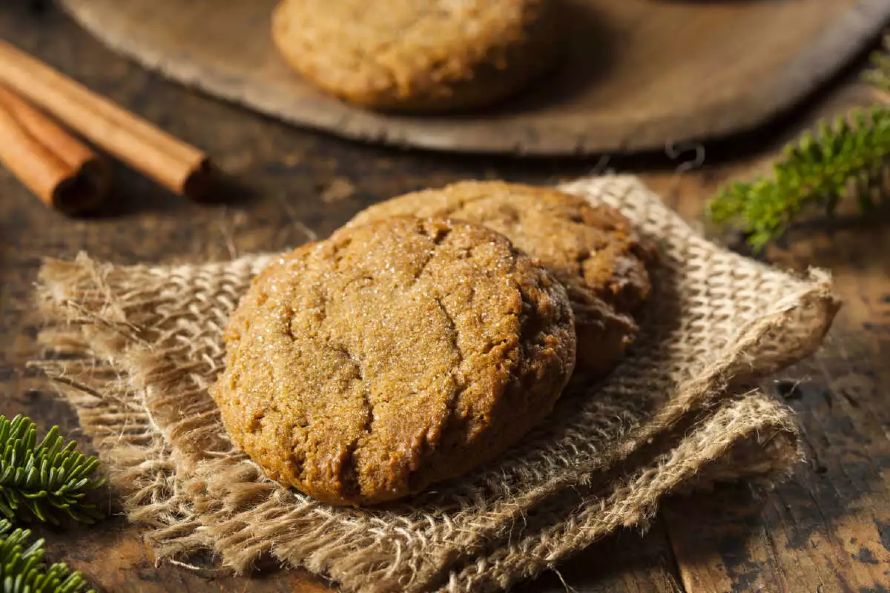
826,530
637,74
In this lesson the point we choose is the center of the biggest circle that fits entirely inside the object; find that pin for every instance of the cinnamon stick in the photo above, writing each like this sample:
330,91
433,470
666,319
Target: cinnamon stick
63,172
171,162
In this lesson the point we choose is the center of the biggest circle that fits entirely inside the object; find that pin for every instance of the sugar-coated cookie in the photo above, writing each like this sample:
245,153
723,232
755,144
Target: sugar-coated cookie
393,355
417,55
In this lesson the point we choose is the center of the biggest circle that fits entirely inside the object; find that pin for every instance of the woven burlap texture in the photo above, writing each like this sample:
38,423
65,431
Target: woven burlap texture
135,348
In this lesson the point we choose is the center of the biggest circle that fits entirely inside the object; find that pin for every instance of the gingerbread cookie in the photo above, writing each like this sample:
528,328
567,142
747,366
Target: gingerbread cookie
417,55
396,354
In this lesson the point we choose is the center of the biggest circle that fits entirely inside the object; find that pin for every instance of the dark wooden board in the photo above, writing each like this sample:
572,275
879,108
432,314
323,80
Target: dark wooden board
827,530
639,74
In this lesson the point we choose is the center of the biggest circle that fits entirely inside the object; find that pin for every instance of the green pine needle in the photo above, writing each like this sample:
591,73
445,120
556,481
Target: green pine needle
22,569
46,480
849,157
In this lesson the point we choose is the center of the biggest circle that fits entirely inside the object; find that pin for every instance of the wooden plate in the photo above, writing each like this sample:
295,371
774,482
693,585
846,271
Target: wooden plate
640,74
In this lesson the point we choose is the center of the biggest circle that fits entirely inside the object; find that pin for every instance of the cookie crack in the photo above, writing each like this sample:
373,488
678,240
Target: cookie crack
338,247
359,376
452,331
426,262
461,386
348,470
367,403
437,238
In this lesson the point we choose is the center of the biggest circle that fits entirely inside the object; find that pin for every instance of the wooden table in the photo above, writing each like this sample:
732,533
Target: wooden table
826,530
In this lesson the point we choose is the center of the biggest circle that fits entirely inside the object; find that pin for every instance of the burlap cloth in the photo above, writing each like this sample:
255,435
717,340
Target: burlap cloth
135,349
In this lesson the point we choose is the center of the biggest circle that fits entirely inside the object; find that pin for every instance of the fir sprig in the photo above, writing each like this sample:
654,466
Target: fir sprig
45,480
879,74
847,157
22,569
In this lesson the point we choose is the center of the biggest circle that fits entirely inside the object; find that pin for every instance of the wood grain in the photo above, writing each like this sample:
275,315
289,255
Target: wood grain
828,527
826,530
638,74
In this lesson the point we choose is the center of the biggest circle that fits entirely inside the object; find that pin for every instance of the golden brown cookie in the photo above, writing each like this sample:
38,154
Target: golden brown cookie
592,250
393,355
417,55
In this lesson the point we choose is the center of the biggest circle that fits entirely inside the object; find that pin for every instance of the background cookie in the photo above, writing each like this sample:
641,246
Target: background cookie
362,368
417,55
592,250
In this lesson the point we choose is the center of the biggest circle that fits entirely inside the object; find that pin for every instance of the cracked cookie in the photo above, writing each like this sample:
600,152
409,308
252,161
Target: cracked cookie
393,355
591,249
417,55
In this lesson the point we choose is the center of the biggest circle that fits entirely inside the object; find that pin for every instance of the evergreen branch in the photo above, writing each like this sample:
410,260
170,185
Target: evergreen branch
879,74
46,480
847,158
22,569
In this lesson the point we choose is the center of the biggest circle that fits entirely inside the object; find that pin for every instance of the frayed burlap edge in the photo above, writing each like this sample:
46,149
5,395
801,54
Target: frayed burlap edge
121,380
